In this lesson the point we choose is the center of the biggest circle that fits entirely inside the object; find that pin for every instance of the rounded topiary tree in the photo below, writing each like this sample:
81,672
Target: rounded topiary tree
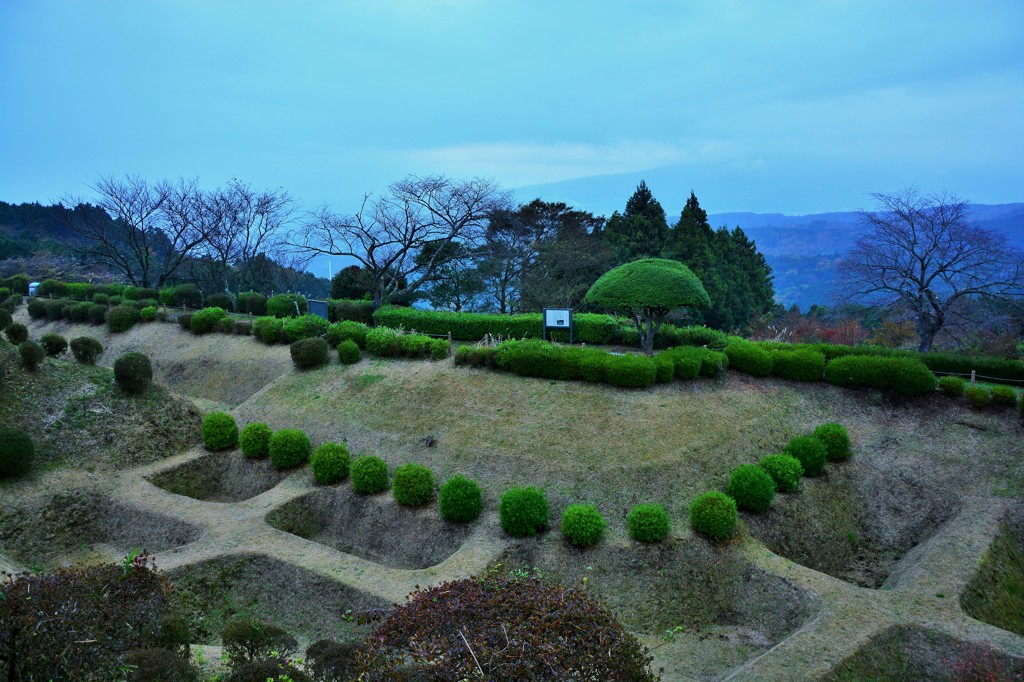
255,439
648,523
330,463
54,344
348,352
85,349
583,525
309,353
412,485
460,499
714,514
289,448
752,488
369,475
16,452
17,333
133,373
220,432
32,354
523,511
646,291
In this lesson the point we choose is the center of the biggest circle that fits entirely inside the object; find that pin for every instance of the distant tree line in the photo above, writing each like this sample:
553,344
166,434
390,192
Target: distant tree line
458,245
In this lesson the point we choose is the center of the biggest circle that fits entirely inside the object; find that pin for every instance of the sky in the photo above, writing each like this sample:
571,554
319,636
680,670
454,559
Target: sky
792,107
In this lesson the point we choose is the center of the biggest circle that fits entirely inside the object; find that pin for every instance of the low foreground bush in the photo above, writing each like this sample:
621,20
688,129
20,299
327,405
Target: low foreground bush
369,475
977,396
460,630
583,525
412,485
53,344
246,639
255,439
836,440
32,355
206,320
121,318
811,453
752,488
1003,396
348,353
310,353
798,365
220,432
330,463
784,469
749,358
952,386
78,623
390,343
86,349
16,452
289,448
907,376
304,327
714,514
648,523
268,330
346,330
133,373
460,499
287,305
523,511
17,333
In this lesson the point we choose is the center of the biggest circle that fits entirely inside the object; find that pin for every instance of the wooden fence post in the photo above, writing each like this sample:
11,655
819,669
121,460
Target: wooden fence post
973,376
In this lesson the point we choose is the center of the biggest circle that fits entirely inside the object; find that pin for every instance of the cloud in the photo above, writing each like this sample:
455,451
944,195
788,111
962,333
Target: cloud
517,164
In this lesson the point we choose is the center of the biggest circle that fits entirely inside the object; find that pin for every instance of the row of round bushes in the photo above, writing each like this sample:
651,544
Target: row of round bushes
980,397
752,487
551,361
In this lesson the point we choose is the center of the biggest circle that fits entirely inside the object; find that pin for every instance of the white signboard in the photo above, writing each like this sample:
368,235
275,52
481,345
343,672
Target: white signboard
557,317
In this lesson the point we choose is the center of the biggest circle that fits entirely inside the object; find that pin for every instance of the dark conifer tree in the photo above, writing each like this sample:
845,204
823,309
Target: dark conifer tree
640,232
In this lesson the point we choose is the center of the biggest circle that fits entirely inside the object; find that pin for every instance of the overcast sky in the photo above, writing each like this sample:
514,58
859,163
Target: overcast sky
758,106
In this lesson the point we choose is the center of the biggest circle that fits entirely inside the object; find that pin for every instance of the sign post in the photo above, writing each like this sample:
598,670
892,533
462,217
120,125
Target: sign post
557,318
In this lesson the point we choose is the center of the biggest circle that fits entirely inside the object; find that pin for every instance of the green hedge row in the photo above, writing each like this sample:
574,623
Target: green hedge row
907,376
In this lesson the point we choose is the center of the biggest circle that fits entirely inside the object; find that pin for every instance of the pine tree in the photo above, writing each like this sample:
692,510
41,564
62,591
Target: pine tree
640,232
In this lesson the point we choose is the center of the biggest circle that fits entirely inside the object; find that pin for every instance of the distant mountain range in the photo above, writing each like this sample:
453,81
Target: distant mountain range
803,250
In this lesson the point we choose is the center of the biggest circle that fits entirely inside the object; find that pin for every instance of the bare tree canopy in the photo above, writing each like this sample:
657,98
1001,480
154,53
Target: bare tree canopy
389,231
924,253
155,226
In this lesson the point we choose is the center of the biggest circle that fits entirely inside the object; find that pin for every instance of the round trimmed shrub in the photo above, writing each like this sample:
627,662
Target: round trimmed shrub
36,308
348,353
648,523
977,396
714,514
749,358
188,295
86,349
347,330
369,475
630,371
53,344
289,448
523,511
309,353
148,314
17,333
784,469
220,300
121,318
583,525
5,319
752,488
952,386
836,440
412,485
460,499
16,452
798,365
98,314
811,453
252,302
287,305
665,369
220,432
330,463
305,327
255,439
206,320
1003,396
133,373
32,354
268,330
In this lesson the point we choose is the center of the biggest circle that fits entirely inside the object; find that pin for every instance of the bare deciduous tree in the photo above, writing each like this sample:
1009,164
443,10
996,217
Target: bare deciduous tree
154,227
924,253
389,231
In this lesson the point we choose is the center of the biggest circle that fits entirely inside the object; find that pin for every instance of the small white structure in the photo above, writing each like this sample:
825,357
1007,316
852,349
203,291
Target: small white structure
558,318
33,288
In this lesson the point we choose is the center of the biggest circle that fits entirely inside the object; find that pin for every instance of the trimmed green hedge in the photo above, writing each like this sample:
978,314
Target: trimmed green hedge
220,431
648,523
904,375
205,320
269,330
341,309
587,327
369,475
784,469
412,485
752,487
390,344
330,463
289,448
305,327
811,452
133,373
798,365
749,358
523,511
460,499
714,514
583,525
255,439
347,330
287,305
550,361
